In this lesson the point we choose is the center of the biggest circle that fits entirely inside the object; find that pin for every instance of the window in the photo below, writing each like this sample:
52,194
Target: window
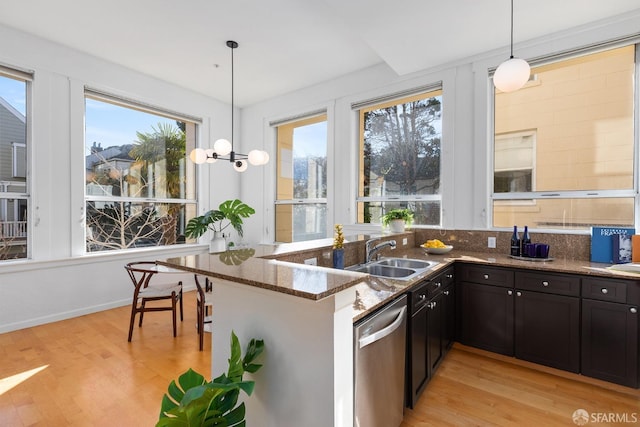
19,155
565,144
400,145
301,200
14,197
140,189
514,158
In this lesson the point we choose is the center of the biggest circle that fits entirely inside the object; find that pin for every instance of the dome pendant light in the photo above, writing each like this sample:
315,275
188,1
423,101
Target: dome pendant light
223,149
512,74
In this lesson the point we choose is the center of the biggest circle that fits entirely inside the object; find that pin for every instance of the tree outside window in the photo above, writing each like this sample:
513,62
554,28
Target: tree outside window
400,151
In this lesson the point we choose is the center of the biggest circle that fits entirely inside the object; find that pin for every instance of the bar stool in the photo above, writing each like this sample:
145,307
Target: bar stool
141,273
204,304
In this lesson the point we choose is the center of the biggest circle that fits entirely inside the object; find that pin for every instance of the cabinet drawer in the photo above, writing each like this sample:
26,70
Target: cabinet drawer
486,275
559,284
442,280
604,289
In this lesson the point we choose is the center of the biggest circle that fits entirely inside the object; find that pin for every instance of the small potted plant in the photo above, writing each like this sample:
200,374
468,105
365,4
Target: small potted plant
338,247
396,219
229,213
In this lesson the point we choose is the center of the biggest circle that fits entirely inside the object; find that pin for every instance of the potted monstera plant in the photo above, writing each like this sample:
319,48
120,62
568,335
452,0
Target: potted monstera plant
193,401
229,213
396,219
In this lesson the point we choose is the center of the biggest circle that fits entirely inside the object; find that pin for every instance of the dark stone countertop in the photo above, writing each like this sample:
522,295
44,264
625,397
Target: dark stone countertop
258,267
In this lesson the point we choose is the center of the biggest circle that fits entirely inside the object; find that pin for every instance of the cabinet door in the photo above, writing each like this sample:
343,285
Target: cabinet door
419,375
448,317
435,346
610,342
547,329
486,317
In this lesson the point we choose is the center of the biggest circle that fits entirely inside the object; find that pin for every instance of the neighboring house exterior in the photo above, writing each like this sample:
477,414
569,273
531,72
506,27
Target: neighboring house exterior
13,176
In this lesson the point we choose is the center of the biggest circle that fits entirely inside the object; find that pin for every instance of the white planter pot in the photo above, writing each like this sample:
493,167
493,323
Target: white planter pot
396,225
217,244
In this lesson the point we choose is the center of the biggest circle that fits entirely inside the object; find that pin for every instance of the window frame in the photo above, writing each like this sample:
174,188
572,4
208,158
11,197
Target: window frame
26,231
188,204
303,120
384,101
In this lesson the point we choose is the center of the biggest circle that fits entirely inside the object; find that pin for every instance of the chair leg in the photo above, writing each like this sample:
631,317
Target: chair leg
181,311
201,315
173,311
132,320
141,312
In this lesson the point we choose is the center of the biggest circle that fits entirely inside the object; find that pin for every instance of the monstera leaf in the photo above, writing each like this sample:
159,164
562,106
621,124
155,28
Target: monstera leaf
237,256
228,213
193,401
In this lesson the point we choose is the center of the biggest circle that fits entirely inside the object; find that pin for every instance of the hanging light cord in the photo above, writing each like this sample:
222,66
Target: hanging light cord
233,45
239,160
510,57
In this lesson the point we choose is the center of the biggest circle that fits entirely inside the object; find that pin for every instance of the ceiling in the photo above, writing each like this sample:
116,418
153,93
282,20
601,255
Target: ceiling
285,45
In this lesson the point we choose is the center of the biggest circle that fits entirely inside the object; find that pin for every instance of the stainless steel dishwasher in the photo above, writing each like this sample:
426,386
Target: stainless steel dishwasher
379,371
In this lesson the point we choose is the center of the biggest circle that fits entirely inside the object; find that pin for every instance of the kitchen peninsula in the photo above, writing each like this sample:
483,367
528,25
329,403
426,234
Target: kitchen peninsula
305,316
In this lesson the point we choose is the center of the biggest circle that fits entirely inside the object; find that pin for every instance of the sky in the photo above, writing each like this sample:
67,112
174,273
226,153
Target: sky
111,125
13,91
310,140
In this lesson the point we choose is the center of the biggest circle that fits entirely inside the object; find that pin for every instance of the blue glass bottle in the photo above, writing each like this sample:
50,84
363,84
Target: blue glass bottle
515,242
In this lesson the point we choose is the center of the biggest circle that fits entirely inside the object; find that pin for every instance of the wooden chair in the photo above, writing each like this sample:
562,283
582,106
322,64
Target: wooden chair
141,273
204,304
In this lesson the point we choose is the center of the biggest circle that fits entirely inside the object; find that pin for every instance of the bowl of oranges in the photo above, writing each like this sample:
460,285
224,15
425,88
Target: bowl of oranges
436,247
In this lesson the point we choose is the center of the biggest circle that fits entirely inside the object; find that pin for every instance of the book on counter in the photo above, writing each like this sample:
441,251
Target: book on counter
635,248
602,242
621,250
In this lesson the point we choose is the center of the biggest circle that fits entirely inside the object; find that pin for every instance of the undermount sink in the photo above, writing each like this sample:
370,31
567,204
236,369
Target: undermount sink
406,263
395,268
383,270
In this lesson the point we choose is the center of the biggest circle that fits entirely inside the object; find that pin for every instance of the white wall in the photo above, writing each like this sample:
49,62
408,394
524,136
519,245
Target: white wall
465,140
59,281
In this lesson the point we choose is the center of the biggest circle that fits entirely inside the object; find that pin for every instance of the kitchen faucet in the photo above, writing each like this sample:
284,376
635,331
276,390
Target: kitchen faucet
369,251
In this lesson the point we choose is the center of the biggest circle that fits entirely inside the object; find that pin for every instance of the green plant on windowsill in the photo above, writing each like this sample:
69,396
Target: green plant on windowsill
404,214
193,401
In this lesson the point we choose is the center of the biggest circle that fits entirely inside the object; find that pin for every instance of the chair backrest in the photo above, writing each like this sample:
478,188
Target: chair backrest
140,273
199,287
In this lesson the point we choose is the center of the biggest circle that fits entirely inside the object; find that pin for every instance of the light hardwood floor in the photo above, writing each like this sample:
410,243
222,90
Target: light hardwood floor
477,388
91,376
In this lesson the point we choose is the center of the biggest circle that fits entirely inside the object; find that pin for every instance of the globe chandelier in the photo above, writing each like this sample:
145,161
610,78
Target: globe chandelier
222,148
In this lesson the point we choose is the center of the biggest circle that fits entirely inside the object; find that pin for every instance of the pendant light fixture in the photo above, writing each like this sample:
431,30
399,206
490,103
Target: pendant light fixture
512,74
223,149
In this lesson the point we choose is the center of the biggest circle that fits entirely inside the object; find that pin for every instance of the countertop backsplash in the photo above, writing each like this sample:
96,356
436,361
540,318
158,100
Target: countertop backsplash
565,246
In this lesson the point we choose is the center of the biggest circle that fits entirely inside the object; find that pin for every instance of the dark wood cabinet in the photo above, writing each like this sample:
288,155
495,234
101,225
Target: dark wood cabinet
575,322
547,329
533,316
435,335
610,331
432,309
547,319
485,310
417,358
449,316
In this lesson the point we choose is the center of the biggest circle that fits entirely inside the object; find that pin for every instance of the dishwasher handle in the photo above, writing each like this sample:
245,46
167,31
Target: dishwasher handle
378,335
